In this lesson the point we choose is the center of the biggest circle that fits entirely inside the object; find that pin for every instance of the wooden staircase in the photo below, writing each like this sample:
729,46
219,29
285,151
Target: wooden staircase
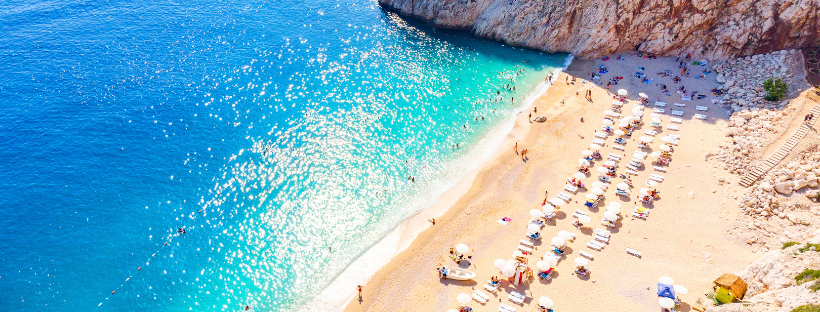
752,175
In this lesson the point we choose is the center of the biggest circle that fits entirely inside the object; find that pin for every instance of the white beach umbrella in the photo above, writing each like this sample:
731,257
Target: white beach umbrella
643,95
548,209
666,303
533,227
602,170
646,139
619,132
594,147
615,205
580,176
623,186
586,152
461,248
665,148
625,120
638,111
609,163
581,261
535,213
666,280
565,235
558,242
499,263
599,184
545,302
680,290
542,265
591,196
611,216
608,122
655,154
463,298
622,92
583,162
608,112
551,260
584,219
557,202
645,192
615,210
597,191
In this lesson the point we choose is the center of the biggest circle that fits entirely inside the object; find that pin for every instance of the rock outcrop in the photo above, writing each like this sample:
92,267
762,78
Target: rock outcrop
588,29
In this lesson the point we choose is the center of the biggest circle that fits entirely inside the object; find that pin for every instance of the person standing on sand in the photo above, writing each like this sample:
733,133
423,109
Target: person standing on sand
516,148
359,288
530,118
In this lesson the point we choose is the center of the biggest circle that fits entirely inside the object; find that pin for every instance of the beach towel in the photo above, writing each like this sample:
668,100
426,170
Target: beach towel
605,58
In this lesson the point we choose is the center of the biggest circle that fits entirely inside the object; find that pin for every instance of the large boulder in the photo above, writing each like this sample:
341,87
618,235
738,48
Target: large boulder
785,188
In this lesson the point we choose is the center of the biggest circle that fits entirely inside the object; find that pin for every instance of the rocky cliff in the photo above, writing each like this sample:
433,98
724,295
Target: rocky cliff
711,29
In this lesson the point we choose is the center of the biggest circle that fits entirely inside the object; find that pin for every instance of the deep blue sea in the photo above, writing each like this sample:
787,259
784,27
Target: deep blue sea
279,135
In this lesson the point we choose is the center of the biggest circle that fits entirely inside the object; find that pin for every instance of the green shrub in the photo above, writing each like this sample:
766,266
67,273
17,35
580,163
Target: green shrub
815,247
807,308
789,244
809,276
776,88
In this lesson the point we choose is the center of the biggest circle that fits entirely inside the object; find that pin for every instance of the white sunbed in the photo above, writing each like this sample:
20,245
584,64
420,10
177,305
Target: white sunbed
516,297
616,114
632,172
673,136
651,132
505,308
700,116
586,255
655,177
677,113
599,142
613,155
619,147
658,110
617,103
661,169
702,108
603,232
676,120
631,167
490,287
564,196
639,106
595,245
686,98
524,248
660,104
480,296
571,188
672,127
602,238
526,242
600,134
633,252
580,212
680,105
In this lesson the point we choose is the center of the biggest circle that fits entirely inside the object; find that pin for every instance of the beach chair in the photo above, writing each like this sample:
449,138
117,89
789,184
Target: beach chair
660,104
516,297
505,308
633,252
599,142
631,167
651,132
586,255
603,232
672,127
661,169
639,106
526,242
602,239
614,156
673,136
576,214
677,113
595,245
564,196
571,188
677,120
686,98
680,105
600,134
632,172
490,287
619,147
616,114
655,177
524,248
580,212
658,110
700,116
481,299
702,108
617,103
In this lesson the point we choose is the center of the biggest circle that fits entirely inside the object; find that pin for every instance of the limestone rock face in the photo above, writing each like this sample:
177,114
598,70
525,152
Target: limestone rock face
784,188
588,29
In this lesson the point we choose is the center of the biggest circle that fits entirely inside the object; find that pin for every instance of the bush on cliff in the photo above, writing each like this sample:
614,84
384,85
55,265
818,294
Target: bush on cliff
807,308
776,88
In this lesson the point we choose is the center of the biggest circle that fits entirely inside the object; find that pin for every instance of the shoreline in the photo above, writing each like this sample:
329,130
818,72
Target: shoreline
505,187
408,232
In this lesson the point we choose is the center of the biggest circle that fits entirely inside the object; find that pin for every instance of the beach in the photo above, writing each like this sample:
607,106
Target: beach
683,237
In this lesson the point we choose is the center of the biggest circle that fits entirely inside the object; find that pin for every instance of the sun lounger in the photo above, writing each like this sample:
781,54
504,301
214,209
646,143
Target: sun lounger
656,177
639,106
631,167
505,308
700,116
479,298
673,136
651,132
586,255
576,215
616,114
599,142
617,103
526,242
661,169
680,105
603,232
677,113
632,172
702,108
660,104
580,212
595,245
490,287
564,196
524,248
571,188
516,297
672,127
633,252
600,135
602,239
686,98
613,155
658,110
676,120
638,215
619,147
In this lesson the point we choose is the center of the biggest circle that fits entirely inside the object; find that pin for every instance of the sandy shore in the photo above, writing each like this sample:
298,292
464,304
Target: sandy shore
683,237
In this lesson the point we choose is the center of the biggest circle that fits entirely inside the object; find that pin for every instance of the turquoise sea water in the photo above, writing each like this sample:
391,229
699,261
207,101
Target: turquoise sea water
279,135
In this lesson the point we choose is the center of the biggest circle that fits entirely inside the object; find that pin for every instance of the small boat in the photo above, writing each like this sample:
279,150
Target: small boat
458,273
